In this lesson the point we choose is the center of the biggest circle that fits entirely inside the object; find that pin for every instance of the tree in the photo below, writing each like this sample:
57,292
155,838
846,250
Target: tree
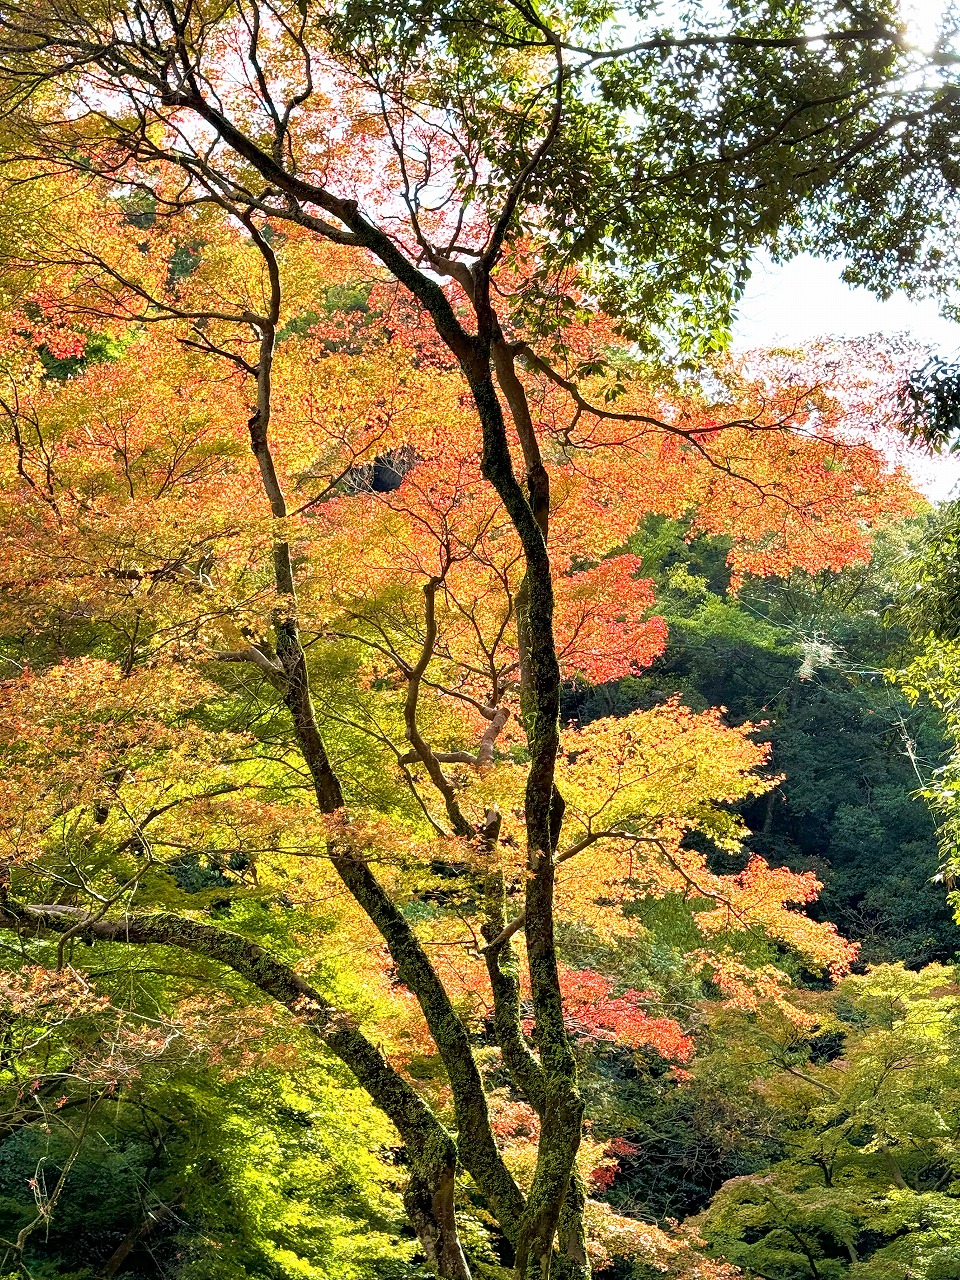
239,168
206,1157
807,654
635,150
888,204
136,537
867,1185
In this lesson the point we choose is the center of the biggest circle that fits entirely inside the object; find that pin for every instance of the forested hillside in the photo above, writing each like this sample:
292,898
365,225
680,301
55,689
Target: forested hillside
478,755
815,658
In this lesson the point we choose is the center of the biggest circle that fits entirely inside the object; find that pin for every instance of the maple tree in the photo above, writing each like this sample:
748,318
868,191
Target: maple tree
866,1183
338,694
140,554
807,654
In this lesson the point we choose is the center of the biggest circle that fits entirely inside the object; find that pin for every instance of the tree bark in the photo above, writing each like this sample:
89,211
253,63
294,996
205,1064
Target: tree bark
480,1153
154,1218
562,1113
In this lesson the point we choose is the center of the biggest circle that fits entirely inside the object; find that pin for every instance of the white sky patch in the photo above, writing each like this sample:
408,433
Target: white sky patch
806,299
924,19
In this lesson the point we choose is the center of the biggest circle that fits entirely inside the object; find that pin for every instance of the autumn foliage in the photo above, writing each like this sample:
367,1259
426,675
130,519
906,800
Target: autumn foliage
298,697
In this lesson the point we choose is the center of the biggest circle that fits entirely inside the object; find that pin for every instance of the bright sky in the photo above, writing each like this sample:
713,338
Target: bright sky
806,299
